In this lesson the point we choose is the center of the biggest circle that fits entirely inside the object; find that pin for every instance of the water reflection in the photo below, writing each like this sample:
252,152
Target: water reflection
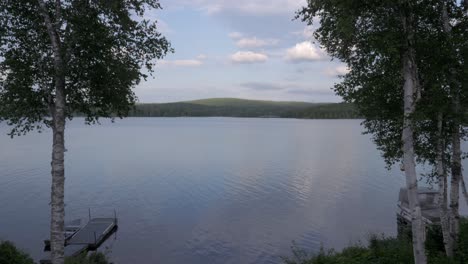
207,190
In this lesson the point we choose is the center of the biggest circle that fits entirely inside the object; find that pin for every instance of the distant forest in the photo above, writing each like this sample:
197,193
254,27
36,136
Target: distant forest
232,107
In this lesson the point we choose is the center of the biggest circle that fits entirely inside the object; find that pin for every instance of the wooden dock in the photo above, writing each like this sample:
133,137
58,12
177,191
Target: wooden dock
428,199
430,211
94,233
90,237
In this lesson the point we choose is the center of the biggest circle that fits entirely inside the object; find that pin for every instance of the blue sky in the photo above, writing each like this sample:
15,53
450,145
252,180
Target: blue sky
245,49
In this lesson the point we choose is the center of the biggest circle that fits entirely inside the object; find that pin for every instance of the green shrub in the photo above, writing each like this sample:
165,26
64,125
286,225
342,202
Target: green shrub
435,243
462,252
93,258
381,250
390,250
9,254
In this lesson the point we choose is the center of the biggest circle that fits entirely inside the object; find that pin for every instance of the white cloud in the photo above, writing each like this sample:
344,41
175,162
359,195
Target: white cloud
258,7
235,35
255,42
181,63
248,57
337,71
303,52
198,61
308,33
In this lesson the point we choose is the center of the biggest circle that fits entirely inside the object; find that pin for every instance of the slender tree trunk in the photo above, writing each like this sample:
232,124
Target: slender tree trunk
464,191
442,178
57,219
57,230
455,183
410,95
57,191
456,151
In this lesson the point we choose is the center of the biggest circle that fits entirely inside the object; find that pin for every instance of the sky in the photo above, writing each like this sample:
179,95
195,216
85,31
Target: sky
252,49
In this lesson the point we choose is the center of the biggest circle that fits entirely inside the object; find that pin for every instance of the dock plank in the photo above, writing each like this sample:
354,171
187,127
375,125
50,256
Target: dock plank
90,237
93,232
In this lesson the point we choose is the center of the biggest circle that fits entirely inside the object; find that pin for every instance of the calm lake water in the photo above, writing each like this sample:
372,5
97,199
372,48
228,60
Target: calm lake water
204,190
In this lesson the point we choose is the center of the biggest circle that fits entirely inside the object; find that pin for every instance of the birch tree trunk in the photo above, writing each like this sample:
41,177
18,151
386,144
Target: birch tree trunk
464,191
57,239
442,178
456,151
455,181
410,88
58,187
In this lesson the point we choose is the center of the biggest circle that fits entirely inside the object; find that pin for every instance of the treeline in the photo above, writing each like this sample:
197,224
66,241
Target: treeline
326,111
246,108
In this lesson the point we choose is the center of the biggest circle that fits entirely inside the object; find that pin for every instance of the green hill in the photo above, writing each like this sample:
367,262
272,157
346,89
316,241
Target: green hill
327,111
234,107
248,103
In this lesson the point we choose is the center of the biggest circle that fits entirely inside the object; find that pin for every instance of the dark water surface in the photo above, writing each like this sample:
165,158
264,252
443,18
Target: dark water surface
204,190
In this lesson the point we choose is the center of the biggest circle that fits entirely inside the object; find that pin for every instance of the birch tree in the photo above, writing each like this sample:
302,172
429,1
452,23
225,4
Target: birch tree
411,94
387,44
357,32
453,20
377,40
60,57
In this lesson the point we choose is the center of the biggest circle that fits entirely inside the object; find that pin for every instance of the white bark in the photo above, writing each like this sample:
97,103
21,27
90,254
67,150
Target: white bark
464,191
443,200
456,151
455,185
57,240
410,91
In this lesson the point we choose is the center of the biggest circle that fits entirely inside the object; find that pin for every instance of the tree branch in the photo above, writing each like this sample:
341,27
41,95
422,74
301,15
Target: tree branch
463,185
445,19
69,44
50,29
58,13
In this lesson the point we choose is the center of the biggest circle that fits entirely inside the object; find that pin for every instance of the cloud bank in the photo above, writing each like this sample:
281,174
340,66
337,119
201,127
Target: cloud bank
181,63
337,71
258,7
255,42
304,52
248,57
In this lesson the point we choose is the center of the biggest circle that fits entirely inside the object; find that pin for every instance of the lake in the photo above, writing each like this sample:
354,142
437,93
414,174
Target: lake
204,190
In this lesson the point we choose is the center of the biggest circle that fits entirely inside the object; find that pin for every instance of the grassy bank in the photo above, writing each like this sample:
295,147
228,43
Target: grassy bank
10,254
381,250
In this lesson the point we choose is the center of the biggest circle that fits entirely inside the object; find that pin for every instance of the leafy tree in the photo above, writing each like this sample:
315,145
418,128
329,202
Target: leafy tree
389,45
9,254
59,57
454,22
376,40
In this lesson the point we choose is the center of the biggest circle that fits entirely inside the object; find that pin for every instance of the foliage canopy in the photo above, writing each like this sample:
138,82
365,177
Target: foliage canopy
105,45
